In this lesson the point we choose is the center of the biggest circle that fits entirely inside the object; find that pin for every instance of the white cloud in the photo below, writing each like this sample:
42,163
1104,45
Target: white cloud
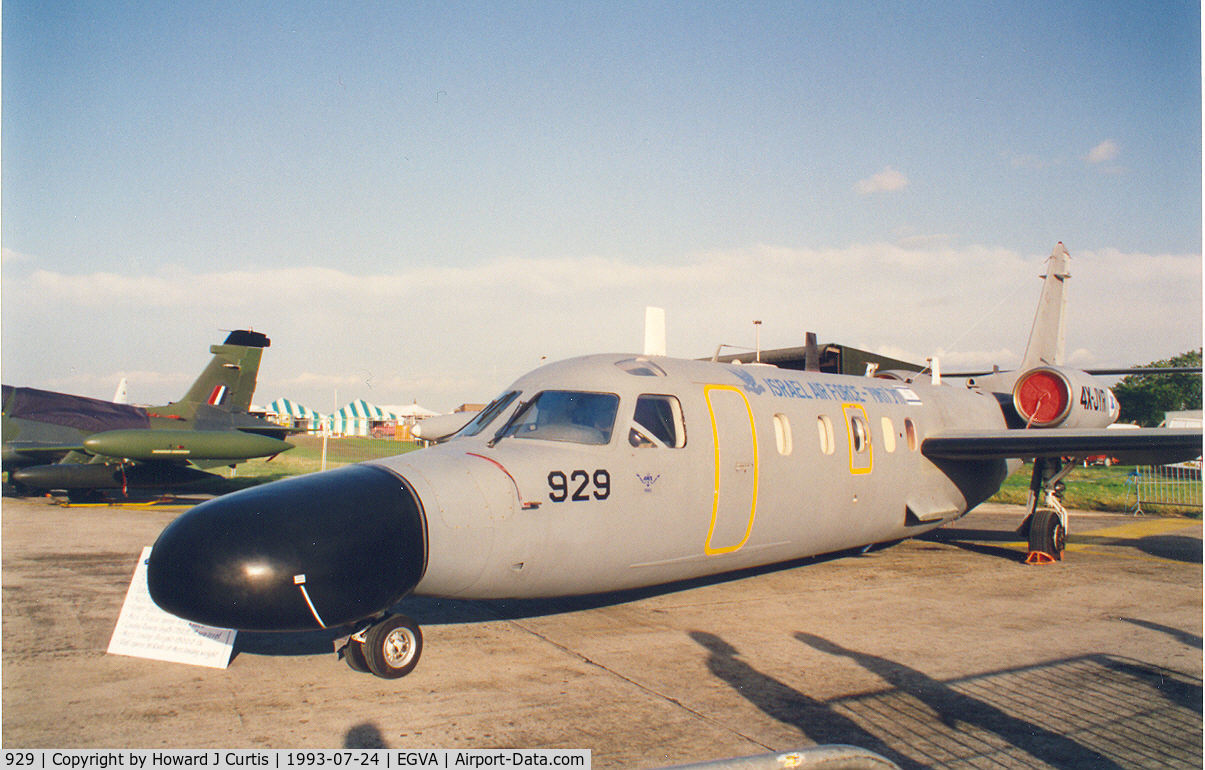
907,239
1103,152
887,180
11,257
445,336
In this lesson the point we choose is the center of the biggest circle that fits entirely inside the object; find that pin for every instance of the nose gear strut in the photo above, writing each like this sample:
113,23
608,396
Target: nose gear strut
1045,523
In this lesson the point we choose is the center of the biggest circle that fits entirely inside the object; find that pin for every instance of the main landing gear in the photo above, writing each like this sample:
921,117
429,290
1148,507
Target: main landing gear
389,647
1046,526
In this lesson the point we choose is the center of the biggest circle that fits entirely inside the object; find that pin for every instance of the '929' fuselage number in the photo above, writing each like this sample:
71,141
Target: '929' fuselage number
579,486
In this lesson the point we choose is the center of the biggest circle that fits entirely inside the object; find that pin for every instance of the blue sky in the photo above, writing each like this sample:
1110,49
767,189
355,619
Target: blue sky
418,201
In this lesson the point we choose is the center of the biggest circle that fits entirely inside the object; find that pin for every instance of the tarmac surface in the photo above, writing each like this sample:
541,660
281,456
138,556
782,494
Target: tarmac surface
945,651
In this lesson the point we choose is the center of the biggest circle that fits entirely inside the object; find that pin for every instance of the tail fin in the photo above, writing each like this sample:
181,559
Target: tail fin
1047,339
228,382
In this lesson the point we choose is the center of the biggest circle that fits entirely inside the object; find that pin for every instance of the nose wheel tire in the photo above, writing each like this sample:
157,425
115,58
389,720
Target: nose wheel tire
392,647
353,653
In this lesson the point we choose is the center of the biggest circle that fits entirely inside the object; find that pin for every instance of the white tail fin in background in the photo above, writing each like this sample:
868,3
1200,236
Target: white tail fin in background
121,396
1047,339
654,331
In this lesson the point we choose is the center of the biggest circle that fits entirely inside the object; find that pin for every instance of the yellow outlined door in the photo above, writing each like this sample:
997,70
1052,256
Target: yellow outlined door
734,502
857,430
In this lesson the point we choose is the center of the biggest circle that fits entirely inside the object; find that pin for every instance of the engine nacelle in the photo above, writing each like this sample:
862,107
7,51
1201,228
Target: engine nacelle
1051,396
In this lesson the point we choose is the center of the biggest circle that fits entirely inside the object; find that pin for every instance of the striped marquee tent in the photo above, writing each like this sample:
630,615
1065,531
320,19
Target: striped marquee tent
358,418
409,412
295,415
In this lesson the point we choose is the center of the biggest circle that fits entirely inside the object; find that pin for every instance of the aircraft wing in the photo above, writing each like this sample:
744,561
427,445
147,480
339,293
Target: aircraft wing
1143,446
37,451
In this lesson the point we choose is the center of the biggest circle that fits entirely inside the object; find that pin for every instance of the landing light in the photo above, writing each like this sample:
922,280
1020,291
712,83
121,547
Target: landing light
257,571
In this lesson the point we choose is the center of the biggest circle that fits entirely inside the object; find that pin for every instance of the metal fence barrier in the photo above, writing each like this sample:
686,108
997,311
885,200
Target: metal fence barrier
1177,486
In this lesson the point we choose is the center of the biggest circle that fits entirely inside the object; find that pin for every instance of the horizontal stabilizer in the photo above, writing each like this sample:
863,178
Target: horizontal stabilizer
1143,446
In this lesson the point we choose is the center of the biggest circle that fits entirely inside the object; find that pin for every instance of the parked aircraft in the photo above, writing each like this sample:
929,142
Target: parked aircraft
59,441
442,426
617,471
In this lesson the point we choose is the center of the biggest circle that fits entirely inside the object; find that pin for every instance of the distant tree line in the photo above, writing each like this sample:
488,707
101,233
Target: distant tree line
1145,397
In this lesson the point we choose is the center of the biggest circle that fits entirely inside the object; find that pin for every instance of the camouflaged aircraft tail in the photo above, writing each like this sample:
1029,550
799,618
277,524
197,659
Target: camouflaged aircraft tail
228,382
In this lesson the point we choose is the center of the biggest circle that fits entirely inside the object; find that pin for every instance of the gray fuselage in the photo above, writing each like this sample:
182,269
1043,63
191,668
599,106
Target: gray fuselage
698,468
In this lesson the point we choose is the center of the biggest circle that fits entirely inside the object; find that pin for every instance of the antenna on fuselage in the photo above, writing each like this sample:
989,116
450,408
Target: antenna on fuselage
654,331
934,369
757,341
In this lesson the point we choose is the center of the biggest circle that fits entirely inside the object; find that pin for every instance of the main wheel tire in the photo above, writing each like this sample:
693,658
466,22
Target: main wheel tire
353,653
1047,534
393,646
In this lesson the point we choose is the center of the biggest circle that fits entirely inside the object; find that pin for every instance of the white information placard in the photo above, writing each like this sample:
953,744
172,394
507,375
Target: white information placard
145,631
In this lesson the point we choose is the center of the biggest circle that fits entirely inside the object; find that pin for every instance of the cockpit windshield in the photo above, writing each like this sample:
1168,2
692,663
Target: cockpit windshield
567,415
495,407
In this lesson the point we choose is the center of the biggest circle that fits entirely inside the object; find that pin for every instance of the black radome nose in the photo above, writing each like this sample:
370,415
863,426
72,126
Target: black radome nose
314,551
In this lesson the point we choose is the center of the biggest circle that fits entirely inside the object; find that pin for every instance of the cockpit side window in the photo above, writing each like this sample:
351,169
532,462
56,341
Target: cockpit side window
495,407
657,422
568,415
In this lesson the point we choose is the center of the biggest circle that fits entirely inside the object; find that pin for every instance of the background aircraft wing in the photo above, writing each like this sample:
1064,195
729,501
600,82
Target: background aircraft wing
1143,446
37,451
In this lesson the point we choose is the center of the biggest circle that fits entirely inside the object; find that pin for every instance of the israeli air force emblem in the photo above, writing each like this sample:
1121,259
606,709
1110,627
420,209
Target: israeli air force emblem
748,382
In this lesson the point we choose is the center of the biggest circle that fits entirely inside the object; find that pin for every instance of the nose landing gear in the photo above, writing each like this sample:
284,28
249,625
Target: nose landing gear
1046,526
389,648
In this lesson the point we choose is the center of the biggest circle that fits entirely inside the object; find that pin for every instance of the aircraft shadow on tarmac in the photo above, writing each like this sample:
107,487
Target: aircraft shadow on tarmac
1068,712
1184,637
1170,547
431,611
953,726
978,541
437,611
